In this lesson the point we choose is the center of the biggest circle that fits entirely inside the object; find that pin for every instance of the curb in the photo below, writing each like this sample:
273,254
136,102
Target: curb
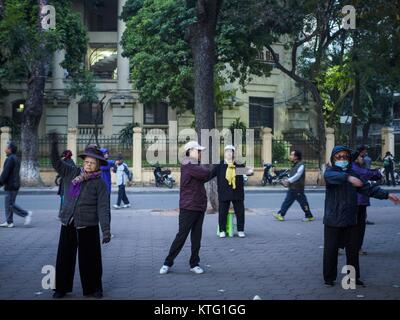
260,190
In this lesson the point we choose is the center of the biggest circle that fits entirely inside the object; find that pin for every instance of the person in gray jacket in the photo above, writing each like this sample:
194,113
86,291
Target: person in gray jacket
86,204
296,183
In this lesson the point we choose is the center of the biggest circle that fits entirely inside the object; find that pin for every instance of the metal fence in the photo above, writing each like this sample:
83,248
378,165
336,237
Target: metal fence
169,151
112,143
43,149
281,149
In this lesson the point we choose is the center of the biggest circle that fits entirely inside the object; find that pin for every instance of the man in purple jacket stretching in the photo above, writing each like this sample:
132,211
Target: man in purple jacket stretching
192,206
363,202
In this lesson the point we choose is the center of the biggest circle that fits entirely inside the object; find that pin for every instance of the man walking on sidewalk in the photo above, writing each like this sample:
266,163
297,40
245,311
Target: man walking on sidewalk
10,179
296,183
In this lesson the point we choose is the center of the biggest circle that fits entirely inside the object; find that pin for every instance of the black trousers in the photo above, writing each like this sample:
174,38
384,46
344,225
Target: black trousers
361,224
122,195
389,171
333,238
292,196
238,206
189,221
87,242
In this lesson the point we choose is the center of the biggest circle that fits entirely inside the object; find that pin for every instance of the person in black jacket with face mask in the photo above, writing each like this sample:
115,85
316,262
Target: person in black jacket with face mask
340,219
10,179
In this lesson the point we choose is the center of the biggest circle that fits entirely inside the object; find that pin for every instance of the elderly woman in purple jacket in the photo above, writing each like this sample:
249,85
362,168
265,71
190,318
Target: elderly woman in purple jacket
363,202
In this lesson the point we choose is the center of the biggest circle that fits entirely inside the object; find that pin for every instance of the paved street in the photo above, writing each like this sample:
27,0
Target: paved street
277,260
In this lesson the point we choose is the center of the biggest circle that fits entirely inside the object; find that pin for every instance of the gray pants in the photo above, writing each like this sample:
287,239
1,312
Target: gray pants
11,207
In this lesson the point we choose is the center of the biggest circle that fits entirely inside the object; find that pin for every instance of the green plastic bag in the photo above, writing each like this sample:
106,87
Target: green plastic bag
230,225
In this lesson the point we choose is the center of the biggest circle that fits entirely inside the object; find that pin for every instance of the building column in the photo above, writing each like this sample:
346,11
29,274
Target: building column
267,145
137,154
122,63
72,137
330,143
387,141
5,138
58,72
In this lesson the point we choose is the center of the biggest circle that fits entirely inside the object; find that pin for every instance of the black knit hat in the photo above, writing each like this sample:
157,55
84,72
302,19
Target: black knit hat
93,151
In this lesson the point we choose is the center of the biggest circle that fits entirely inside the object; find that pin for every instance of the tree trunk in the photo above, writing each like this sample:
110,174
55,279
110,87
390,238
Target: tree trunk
30,171
355,112
202,43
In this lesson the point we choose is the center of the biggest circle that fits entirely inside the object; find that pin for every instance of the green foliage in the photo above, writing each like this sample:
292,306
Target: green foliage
83,86
22,46
238,124
126,134
279,151
156,42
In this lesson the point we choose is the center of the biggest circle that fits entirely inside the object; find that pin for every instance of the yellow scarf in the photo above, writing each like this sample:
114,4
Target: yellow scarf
230,174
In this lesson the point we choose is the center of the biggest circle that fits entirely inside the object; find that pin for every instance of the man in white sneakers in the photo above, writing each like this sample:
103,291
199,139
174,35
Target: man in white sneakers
10,179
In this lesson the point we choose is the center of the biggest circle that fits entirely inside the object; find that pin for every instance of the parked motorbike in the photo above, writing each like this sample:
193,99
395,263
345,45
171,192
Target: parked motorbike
163,177
276,177
396,174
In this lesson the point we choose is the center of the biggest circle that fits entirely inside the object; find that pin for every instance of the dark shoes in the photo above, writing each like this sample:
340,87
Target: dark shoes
329,284
96,295
370,223
58,295
360,283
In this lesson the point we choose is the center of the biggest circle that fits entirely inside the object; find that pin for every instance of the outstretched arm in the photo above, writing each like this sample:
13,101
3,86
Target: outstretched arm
60,166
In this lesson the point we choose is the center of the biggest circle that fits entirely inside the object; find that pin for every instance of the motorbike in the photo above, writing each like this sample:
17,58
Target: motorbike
276,177
396,174
163,177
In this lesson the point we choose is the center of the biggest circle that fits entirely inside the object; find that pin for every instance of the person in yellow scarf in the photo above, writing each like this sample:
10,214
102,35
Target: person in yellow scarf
230,189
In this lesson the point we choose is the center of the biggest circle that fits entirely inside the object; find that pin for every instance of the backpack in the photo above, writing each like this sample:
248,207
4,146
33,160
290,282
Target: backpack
387,162
128,172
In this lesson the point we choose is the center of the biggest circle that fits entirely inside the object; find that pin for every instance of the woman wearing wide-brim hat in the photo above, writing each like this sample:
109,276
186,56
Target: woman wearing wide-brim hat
86,204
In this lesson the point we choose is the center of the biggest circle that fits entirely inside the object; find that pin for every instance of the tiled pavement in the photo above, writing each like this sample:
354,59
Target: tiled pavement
277,260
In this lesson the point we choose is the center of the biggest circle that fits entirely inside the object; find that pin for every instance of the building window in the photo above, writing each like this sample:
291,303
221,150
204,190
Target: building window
156,113
261,112
266,56
101,15
18,107
90,113
103,60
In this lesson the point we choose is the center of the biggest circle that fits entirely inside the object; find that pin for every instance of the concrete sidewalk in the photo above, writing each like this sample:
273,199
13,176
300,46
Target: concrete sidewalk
164,190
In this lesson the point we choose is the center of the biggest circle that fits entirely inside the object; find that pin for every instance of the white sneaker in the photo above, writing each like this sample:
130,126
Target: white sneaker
127,205
241,234
28,218
7,225
164,269
222,234
115,206
197,270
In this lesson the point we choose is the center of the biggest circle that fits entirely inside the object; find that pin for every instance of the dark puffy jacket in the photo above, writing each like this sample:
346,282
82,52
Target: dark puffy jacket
341,195
92,206
225,191
60,180
10,177
192,195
